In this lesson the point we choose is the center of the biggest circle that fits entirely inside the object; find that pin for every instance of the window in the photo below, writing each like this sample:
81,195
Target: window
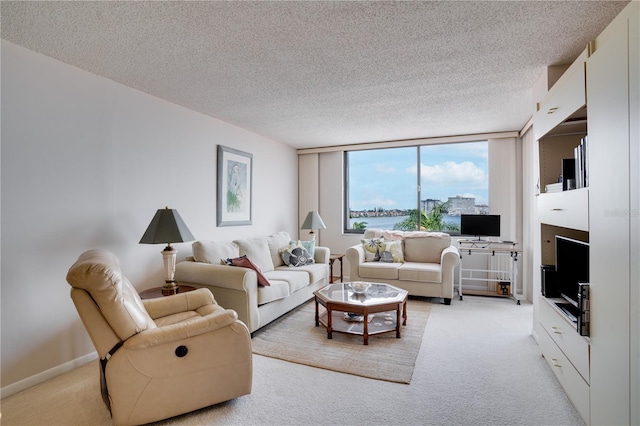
423,187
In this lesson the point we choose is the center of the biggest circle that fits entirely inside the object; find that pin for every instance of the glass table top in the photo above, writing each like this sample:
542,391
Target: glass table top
376,294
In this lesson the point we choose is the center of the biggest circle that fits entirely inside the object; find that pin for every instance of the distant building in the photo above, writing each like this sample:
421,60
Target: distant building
461,205
482,209
428,204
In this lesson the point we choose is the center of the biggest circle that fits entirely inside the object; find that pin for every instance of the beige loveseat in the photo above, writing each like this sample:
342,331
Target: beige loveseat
423,263
237,288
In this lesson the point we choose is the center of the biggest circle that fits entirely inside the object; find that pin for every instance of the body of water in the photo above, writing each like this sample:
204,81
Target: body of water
388,222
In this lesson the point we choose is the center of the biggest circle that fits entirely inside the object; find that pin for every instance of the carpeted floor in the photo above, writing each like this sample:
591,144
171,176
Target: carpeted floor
295,338
478,365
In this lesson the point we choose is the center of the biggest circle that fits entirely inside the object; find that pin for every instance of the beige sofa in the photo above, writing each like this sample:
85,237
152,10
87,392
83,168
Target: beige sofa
423,263
237,288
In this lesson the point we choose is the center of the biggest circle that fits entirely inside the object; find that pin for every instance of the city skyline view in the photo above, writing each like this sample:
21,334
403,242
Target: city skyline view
387,178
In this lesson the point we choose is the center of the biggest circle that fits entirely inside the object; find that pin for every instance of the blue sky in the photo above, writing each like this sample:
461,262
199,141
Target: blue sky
387,178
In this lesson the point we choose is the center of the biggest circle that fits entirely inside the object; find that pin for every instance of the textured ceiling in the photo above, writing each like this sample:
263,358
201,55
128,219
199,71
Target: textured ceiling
314,73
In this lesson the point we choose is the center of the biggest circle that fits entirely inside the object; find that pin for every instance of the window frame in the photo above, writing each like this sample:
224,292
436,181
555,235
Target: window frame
346,210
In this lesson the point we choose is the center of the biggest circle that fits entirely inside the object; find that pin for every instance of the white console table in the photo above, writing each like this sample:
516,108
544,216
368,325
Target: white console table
502,267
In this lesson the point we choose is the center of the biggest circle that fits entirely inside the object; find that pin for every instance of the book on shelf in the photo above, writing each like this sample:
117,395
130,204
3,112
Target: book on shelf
580,154
553,187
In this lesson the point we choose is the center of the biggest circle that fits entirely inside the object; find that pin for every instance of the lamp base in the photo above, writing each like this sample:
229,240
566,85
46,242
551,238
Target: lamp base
169,288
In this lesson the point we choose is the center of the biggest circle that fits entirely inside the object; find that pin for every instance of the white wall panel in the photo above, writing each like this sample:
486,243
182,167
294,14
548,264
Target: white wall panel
85,164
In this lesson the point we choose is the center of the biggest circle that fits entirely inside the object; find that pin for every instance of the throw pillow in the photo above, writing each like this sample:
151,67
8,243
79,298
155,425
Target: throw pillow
372,247
245,262
310,246
295,255
392,252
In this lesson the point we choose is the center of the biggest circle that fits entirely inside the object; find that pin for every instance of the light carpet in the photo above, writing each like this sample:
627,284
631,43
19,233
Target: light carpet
478,366
295,338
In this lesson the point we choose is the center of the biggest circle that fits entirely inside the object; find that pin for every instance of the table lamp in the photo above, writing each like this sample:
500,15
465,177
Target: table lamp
313,221
167,227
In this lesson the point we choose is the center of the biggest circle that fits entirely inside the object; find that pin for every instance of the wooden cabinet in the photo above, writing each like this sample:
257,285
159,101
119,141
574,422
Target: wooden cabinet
559,126
564,100
567,354
600,374
612,90
568,209
563,332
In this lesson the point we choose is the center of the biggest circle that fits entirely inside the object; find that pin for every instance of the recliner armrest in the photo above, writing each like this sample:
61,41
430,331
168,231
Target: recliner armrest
183,330
189,301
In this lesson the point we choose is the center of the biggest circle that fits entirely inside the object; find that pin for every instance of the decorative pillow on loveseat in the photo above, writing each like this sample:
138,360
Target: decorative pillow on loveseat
296,255
372,248
245,262
392,252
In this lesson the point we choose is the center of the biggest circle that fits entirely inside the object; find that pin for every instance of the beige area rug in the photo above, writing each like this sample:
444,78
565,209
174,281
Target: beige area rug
295,338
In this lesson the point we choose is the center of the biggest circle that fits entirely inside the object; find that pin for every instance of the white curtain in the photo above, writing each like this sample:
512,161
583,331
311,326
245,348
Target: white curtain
308,191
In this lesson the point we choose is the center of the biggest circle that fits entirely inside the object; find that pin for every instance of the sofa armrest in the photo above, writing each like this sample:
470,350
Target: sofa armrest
233,277
449,260
355,256
233,287
450,257
322,255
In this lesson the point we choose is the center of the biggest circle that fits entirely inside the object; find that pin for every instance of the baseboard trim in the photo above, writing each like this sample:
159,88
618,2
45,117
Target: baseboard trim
46,375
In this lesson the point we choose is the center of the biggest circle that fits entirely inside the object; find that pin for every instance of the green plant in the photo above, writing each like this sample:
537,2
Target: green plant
432,221
359,225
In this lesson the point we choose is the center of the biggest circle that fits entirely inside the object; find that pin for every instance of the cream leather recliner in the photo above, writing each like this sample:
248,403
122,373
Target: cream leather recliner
159,357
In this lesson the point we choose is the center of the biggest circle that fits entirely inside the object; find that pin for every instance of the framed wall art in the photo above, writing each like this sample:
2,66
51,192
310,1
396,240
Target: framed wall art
235,173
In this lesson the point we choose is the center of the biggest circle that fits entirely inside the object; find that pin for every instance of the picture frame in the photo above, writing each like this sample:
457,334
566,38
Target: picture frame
234,187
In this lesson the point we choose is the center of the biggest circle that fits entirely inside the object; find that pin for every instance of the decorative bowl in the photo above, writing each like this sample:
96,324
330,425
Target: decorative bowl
360,287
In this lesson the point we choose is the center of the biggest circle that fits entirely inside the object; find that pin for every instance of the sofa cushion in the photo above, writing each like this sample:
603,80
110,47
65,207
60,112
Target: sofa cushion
372,248
316,271
296,279
245,262
423,272
379,270
425,247
213,251
277,290
257,250
276,242
295,255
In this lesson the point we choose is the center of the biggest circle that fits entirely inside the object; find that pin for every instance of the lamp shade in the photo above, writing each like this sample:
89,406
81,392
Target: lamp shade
313,221
166,227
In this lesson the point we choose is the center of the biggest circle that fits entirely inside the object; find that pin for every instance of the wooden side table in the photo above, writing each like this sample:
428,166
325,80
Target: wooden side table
333,258
155,292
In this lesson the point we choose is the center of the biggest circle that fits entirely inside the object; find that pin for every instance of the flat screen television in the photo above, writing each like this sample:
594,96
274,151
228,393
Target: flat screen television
572,267
480,225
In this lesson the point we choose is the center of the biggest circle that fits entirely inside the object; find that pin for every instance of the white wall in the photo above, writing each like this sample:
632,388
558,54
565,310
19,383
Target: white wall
86,162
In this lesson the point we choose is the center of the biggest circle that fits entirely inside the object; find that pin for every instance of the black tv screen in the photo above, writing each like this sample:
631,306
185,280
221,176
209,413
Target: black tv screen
480,225
572,267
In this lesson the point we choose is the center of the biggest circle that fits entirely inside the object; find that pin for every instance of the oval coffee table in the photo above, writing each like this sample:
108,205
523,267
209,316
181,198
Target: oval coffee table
379,310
